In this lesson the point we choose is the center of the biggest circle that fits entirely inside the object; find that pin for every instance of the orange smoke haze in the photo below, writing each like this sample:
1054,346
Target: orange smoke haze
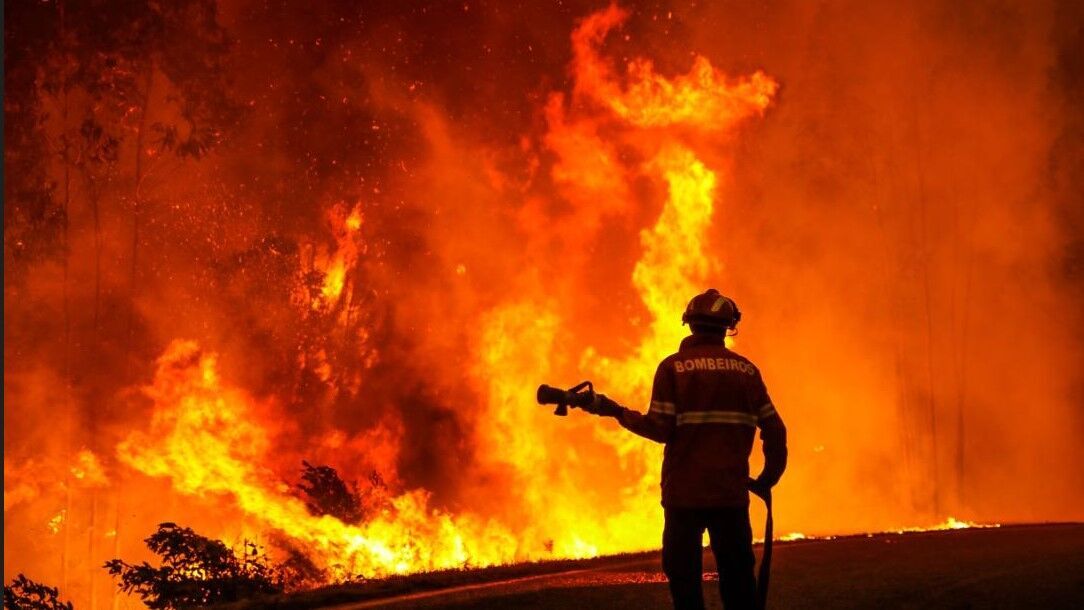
405,219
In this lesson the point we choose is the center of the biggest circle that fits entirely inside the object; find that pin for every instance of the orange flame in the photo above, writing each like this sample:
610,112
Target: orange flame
673,264
337,264
462,250
205,438
703,99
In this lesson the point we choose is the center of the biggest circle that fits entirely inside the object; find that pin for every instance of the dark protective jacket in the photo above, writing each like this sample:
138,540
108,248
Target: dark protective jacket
706,403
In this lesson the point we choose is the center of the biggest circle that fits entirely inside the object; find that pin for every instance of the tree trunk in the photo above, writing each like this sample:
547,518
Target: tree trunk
92,548
924,242
116,549
66,162
961,362
136,217
90,414
95,212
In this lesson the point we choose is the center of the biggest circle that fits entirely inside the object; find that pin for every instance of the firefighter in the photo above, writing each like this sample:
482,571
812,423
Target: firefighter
705,404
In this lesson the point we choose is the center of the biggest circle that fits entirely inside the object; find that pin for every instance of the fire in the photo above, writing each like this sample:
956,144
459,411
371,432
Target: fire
32,480
208,439
88,469
673,264
57,522
19,485
951,523
380,286
338,262
704,99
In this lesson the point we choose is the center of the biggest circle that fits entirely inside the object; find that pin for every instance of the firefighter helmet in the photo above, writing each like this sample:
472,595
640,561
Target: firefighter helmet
712,309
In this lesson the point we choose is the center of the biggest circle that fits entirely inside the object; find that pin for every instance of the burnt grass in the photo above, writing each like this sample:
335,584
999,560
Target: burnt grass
370,589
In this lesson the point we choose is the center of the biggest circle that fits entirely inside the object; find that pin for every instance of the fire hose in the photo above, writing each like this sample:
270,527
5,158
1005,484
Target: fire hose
765,572
584,394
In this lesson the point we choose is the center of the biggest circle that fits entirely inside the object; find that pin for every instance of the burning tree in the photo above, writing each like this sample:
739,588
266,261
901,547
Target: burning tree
327,494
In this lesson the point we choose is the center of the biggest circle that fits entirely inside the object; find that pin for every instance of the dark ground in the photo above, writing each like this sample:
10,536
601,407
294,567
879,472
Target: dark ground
1029,566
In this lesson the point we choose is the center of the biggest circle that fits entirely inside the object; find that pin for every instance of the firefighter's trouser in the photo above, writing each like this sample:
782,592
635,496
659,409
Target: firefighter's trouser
731,543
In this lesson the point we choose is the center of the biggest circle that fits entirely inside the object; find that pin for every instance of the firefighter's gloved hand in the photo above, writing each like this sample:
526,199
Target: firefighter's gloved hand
759,487
603,407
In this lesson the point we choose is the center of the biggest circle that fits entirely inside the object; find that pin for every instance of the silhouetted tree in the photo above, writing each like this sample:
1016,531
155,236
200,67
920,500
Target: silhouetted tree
327,494
32,216
195,571
98,94
109,91
25,594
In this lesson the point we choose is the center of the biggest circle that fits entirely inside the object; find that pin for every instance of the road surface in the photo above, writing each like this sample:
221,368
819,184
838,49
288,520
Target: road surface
1034,566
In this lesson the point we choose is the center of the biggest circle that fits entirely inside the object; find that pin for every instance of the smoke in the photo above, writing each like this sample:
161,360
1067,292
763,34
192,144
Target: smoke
901,227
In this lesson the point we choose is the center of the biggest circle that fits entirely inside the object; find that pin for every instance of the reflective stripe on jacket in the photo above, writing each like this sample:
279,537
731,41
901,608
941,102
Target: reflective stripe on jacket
706,403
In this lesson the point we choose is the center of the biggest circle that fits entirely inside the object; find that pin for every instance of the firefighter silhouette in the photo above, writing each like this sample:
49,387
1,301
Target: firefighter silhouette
706,403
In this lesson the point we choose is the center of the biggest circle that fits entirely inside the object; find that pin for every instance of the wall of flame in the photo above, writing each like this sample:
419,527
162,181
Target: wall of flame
430,210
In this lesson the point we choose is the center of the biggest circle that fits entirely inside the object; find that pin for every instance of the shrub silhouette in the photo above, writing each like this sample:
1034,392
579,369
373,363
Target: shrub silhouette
25,594
327,494
195,571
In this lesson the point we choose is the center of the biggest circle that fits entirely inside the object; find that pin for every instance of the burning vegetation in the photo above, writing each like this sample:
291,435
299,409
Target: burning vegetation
195,571
287,276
